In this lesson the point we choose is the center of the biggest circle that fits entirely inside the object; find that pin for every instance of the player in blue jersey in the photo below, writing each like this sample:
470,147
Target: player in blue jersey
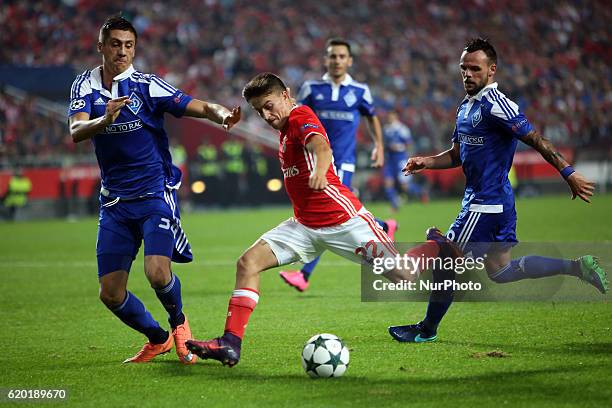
122,111
398,140
488,127
339,102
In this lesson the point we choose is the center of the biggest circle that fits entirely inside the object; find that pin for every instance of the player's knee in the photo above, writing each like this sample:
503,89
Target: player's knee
112,298
246,266
158,274
496,273
493,269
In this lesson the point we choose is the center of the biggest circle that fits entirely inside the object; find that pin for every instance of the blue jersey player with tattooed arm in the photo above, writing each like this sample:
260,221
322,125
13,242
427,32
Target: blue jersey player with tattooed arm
488,127
122,111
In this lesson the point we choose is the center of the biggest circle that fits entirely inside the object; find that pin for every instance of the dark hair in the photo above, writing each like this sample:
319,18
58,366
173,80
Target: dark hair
482,44
116,22
338,41
263,84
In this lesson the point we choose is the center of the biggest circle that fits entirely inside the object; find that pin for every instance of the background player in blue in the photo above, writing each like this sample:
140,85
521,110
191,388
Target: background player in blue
488,126
398,140
122,111
339,102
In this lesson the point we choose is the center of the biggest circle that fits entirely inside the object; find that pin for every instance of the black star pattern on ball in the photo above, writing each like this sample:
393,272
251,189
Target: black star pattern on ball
311,365
334,360
319,342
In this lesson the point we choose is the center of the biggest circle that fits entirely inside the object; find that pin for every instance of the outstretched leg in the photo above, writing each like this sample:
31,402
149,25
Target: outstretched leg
245,296
502,269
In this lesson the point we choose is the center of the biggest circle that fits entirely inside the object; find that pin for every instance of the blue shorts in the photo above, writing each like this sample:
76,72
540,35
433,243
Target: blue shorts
394,163
345,173
478,232
123,225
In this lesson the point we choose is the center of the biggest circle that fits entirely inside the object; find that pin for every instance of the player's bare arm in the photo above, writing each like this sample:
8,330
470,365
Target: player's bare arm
580,186
323,158
378,153
82,128
446,160
213,112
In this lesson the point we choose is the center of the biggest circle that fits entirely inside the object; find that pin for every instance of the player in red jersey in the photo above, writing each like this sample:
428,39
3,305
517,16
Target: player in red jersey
326,214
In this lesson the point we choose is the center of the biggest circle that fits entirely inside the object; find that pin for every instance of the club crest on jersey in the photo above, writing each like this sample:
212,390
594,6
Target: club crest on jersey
476,117
136,103
77,104
350,99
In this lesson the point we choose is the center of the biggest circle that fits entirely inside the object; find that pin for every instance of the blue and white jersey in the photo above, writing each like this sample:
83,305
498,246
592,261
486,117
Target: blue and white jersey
396,136
488,125
339,107
132,152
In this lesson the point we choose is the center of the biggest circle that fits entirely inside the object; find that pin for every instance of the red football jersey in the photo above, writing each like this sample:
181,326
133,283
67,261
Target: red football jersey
315,209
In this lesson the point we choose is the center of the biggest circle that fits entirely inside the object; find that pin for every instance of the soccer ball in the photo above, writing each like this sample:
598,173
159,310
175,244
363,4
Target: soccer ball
325,355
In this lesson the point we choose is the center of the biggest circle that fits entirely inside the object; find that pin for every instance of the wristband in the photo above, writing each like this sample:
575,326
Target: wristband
567,171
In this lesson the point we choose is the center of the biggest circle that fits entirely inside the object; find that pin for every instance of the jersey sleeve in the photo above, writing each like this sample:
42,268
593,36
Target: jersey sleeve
80,95
507,116
166,98
366,105
307,125
304,93
455,138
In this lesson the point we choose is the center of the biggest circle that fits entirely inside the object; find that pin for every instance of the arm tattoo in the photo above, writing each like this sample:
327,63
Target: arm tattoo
546,149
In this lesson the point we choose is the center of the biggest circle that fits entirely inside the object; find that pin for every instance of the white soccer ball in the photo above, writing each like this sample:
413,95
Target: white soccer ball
325,355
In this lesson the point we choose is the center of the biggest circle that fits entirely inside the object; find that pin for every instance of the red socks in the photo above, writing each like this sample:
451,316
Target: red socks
241,305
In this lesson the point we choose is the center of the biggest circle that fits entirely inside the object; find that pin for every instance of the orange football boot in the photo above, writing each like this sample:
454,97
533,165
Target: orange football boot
181,334
150,351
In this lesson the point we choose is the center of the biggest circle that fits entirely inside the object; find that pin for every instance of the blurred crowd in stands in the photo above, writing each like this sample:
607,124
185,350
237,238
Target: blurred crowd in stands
554,56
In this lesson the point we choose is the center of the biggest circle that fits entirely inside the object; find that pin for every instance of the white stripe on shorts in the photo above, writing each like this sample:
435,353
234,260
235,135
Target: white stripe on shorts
469,230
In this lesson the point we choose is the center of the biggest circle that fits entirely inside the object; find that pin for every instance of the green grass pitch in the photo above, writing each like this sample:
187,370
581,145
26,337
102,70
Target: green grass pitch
57,334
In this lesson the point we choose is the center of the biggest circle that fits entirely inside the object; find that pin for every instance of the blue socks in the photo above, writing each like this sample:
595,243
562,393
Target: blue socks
170,298
392,196
133,313
533,267
526,267
308,268
439,300
383,224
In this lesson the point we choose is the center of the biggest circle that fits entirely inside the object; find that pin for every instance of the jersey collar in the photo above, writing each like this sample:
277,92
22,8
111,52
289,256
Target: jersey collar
125,74
96,81
347,79
482,92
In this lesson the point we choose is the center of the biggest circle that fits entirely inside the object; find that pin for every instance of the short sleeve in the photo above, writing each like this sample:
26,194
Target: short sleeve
366,105
166,98
80,95
307,125
507,116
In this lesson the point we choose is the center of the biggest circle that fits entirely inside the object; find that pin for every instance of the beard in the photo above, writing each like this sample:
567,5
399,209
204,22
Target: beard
475,88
